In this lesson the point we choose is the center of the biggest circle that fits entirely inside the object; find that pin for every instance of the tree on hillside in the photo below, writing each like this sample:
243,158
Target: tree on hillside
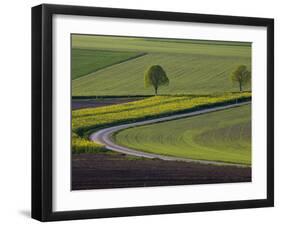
241,76
155,76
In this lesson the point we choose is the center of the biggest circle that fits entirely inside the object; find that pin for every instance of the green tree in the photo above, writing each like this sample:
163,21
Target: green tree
241,76
155,76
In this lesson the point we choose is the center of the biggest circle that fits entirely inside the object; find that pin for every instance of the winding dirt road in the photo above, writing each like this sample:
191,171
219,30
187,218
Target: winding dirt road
104,136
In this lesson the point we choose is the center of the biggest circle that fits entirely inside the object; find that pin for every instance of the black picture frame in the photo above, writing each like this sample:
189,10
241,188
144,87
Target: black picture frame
42,111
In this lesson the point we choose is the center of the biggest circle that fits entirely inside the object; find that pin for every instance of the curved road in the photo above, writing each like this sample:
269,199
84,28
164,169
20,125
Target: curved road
104,136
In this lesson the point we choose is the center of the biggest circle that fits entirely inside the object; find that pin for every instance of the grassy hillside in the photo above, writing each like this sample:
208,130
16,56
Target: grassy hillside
85,61
85,121
220,136
193,67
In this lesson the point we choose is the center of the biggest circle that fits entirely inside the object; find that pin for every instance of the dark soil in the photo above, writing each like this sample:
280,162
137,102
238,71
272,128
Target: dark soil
90,103
99,171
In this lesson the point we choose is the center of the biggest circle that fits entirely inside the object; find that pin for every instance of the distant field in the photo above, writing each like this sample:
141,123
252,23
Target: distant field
85,61
219,136
193,67
151,45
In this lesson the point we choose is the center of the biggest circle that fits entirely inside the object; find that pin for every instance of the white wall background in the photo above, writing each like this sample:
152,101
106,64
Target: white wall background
15,129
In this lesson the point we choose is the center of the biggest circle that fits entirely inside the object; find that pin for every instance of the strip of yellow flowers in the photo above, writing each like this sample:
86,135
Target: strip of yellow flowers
85,121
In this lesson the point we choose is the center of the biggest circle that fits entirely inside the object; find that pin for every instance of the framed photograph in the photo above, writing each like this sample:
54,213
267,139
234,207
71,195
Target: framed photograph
146,112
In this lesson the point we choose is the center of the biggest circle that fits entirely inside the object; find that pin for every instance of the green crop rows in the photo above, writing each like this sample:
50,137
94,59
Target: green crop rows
217,136
87,61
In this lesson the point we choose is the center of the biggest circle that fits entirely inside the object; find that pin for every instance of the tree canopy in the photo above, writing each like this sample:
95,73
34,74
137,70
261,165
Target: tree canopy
241,75
155,76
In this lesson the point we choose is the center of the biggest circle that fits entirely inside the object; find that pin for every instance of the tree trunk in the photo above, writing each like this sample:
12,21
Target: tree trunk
240,86
156,88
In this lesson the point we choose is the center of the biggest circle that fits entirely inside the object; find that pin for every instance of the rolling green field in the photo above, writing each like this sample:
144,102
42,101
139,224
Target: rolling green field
193,67
85,61
219,136
86,121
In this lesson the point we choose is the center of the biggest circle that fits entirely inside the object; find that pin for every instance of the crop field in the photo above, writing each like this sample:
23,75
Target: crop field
193,67
85,61
219,136
85,121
